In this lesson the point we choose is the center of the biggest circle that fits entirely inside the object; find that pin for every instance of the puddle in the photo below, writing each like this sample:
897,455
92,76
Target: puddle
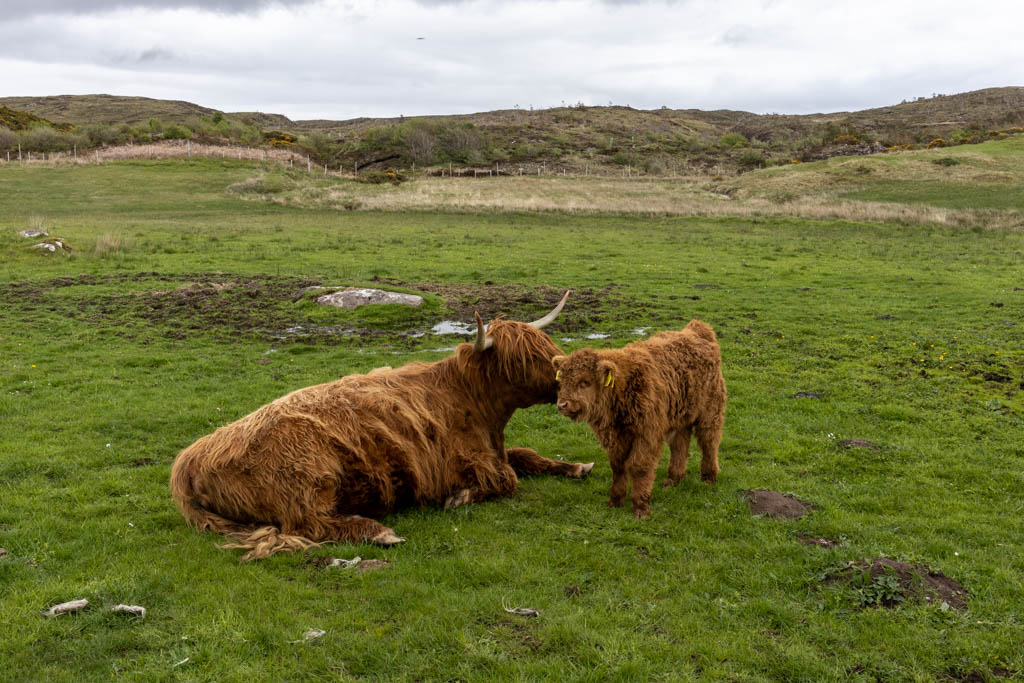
597,335
453,327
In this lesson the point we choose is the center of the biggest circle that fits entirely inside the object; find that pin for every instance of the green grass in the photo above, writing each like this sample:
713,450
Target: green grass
951,195
912,335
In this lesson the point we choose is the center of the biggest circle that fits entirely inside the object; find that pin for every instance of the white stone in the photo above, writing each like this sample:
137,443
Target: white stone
355,297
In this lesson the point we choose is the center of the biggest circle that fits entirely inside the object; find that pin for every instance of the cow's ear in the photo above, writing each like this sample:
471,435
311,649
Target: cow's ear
607,371
558,360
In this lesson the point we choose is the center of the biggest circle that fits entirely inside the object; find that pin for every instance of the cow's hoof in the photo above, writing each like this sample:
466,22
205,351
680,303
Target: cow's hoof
711,478
641,513
386,538
457,499
582,470
670,482
613,503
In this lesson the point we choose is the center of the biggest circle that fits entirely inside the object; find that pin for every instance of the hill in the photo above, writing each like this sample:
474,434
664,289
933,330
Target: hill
579,138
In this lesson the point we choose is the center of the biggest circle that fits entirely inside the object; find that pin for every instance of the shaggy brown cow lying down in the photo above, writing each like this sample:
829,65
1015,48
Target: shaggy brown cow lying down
643,395
318,464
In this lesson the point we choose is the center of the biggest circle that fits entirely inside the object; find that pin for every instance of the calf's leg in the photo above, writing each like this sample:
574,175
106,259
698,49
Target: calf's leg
642,465
709,435
679,446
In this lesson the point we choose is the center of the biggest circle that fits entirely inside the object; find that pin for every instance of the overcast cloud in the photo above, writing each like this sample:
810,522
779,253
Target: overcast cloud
340,59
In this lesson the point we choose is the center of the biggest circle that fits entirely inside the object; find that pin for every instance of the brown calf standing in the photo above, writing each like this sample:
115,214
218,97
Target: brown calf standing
643,395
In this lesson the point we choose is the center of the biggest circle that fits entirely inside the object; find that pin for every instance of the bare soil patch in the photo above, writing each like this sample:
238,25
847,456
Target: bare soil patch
225,305
776,505
857,443
884,582
585,308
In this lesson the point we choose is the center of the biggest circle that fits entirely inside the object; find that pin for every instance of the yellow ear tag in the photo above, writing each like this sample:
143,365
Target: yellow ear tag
558,375
610,381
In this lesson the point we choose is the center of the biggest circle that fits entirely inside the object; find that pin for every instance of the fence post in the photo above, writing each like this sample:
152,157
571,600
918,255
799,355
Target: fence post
19,151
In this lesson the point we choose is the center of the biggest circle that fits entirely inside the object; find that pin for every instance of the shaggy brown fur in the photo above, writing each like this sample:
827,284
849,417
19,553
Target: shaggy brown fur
317,464
646,394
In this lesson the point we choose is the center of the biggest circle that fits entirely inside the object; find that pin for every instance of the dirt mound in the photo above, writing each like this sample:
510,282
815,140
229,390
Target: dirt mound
776,505
884,582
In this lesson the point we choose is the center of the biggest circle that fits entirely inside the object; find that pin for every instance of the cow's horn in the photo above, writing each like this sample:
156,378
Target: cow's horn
546,320
483,342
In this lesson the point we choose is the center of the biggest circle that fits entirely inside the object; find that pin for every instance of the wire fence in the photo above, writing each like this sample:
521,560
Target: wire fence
177,149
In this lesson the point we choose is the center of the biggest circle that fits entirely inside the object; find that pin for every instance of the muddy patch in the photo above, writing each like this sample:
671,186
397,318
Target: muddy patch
808,394
884,582
585,309
857,443
227,306
776,505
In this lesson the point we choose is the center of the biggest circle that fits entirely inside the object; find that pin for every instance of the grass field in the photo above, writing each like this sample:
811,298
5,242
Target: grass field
176,313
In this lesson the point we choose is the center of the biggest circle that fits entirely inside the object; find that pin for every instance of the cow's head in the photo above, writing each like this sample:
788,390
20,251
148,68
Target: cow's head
514,358
585,379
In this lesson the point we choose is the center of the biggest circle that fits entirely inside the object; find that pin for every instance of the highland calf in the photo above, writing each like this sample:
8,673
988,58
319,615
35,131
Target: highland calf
318,464
646,394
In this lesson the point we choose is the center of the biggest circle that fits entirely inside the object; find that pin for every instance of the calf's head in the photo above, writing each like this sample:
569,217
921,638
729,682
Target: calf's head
514,358
585,379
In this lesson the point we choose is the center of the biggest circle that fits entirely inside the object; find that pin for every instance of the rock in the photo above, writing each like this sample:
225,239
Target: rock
53,246
355,297
33,233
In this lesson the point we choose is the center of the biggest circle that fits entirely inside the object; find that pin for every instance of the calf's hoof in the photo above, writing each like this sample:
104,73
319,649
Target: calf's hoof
641,513
670,481
582,470
387,538
456,499
615,503
709,477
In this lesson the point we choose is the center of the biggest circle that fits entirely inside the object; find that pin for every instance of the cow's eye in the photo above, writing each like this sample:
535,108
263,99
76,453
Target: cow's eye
585,383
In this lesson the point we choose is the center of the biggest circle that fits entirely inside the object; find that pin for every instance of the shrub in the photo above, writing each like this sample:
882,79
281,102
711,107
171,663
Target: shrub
937,142
733,140
380,177
176,132
752,158
278,139
8,139
946,161
845,140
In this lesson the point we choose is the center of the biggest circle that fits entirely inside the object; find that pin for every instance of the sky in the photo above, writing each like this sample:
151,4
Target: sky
342,59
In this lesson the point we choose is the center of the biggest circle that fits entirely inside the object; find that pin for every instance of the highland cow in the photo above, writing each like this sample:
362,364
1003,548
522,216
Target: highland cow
646,394
322,462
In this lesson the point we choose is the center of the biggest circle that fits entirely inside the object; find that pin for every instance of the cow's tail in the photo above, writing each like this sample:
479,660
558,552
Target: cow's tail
703,330
259,540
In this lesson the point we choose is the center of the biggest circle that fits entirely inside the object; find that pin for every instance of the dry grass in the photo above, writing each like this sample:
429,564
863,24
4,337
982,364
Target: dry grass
696,196
167,149
109,245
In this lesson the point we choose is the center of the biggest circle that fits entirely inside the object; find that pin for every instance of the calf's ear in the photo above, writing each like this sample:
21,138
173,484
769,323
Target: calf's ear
558,360
607,372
